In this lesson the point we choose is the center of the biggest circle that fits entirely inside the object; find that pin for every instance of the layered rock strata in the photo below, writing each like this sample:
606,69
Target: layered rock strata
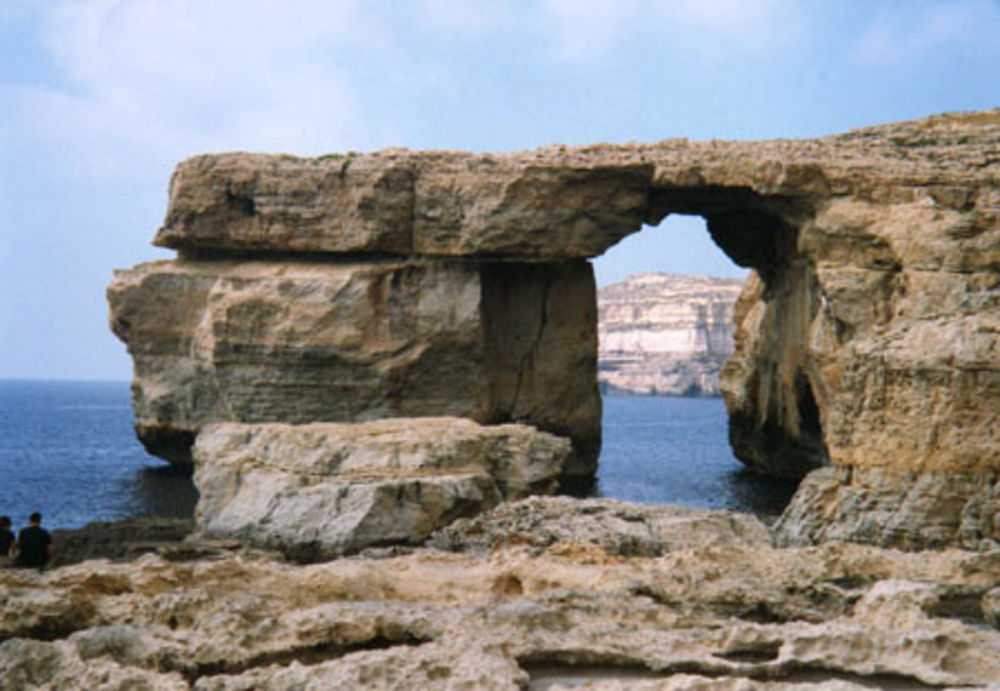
542,592
875,505
226,340
320,490
665,334
869,338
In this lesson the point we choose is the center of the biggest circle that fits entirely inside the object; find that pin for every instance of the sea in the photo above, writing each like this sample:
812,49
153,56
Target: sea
67,449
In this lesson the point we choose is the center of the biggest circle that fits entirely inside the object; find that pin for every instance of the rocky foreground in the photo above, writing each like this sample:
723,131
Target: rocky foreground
542,593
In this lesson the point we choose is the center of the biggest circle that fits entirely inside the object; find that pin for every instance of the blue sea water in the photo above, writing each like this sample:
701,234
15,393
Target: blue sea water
676,451
67,449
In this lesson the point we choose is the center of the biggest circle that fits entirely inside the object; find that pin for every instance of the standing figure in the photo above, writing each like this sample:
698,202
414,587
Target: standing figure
34,544
8,543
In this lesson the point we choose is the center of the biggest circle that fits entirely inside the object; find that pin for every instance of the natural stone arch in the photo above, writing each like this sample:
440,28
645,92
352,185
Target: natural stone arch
870,337
775,423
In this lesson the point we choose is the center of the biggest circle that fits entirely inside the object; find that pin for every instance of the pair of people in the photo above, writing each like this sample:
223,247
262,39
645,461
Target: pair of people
32,547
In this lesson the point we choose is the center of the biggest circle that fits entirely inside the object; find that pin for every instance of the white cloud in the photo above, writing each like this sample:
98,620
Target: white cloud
904,32
469,17
584,31
587,30
754,22
162,79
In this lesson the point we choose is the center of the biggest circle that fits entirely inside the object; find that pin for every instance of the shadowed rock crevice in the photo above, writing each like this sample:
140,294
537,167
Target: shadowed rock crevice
567,668
539,322
775,419
305,656
756,231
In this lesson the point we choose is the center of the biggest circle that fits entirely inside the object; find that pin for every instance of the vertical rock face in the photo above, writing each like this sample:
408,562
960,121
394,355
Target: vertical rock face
297,342
665,334
403,283
254,341
540,351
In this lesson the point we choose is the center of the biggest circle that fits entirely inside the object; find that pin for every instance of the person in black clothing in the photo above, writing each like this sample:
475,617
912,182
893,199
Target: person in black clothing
7,539
34,544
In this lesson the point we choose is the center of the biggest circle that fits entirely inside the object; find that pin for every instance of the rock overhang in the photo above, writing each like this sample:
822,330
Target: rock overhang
557,202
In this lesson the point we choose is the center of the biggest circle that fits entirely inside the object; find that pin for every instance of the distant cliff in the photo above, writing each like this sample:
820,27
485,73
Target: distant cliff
665,334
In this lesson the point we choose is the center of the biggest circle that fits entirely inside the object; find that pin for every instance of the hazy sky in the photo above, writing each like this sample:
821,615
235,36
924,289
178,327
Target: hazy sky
100,98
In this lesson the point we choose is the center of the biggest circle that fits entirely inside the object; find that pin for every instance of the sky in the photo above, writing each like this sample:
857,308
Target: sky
99,99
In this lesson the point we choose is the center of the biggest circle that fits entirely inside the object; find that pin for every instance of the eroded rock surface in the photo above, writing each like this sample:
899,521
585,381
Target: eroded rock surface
299,342
729,612
319,490
402,202
868,337
665,334
617,527
874,505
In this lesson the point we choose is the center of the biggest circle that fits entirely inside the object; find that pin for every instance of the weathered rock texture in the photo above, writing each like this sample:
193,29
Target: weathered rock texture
875,505
665,334
306,341
704,603
324,489
533,206
869,339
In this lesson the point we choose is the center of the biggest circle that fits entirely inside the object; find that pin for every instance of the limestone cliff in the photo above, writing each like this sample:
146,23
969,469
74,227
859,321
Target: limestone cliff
306,341
403,283
665,334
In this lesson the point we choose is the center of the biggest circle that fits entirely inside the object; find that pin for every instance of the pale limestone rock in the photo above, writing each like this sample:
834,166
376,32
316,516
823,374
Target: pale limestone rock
298,342
665,334
868,338
248,202
619,528
31,664
315,491
404,203
402,667
875,505
558,202
991,607
537,208
732,612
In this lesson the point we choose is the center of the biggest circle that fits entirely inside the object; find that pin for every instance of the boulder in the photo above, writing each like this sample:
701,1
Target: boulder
878,506
320,490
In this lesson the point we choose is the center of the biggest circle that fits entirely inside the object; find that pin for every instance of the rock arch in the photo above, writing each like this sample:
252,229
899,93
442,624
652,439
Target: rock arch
407,284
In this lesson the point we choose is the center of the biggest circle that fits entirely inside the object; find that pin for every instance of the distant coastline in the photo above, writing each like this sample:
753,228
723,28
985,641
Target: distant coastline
663,334
611,390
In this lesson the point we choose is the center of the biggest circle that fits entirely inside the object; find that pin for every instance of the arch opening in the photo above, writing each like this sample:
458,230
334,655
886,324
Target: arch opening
773,421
